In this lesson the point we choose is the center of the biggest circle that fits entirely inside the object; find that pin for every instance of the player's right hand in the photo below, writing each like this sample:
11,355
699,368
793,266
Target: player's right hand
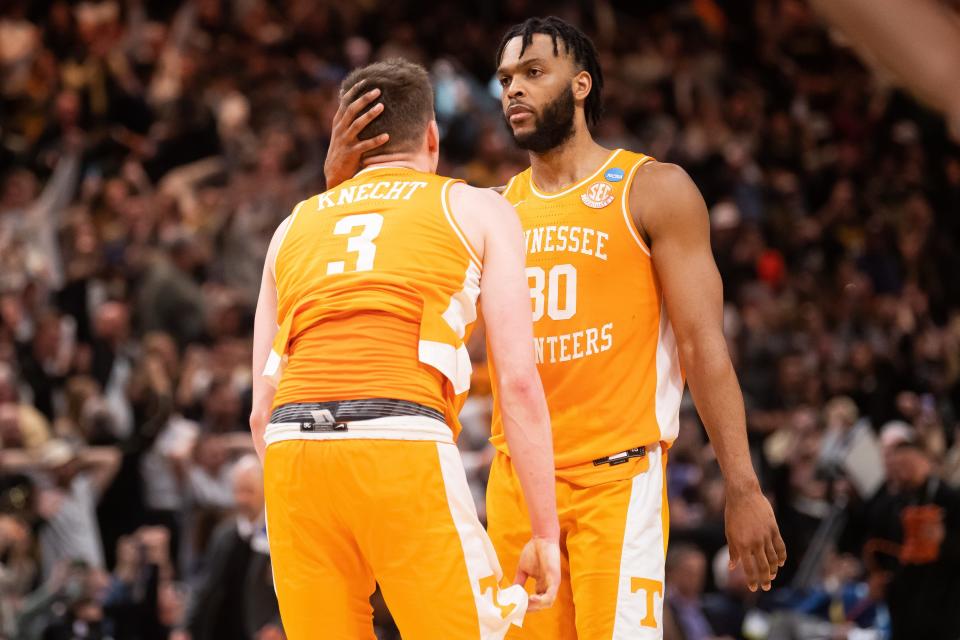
540,560
346,148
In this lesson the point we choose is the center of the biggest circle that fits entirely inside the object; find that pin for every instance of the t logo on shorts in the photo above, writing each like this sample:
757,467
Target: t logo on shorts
490,582
651,588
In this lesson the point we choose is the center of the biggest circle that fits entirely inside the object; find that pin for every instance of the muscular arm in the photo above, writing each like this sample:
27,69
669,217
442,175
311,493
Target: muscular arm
505,303
668,207
264,331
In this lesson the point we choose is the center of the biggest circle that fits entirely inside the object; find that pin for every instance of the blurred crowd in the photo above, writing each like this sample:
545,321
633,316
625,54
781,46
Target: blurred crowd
148,149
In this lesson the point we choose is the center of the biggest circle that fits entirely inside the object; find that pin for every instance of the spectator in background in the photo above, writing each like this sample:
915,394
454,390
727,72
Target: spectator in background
73,482
924,588
170,299
686,574
235,597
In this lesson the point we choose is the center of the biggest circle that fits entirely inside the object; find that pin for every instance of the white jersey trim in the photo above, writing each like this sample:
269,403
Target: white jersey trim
444,194
283,237
497,608
572,188
625,206
388,428
642,557
377,168
669,380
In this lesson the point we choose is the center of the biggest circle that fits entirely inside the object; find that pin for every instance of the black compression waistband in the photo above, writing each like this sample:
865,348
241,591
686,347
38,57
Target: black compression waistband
331,414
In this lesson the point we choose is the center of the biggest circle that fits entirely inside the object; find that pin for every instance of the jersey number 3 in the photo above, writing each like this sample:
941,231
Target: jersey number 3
360,243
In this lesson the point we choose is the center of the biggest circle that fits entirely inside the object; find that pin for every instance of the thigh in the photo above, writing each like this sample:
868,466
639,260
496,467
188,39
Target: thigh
435,564
617,555
323,583
509,528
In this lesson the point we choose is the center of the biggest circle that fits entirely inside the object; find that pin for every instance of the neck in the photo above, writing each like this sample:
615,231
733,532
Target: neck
569,163
418,162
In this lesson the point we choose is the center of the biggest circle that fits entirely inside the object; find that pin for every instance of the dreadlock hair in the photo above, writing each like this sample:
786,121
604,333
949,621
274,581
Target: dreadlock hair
577,45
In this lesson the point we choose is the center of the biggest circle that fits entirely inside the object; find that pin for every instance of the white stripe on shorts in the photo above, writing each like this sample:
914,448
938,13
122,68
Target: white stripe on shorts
642,558
483,567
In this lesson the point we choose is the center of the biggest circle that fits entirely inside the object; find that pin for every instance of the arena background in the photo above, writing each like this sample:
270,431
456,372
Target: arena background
149,149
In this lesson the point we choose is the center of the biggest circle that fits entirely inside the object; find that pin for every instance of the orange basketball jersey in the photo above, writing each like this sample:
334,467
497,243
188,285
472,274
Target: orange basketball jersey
604,345
376,293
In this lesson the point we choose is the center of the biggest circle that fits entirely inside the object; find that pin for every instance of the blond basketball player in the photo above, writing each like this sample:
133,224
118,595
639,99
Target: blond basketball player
627,308
369,291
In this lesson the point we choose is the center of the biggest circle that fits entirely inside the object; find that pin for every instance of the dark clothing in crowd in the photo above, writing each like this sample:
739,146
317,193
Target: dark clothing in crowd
235,598
924,592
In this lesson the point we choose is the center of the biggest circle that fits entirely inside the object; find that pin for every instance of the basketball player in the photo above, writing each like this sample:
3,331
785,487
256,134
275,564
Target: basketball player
627,307
369,291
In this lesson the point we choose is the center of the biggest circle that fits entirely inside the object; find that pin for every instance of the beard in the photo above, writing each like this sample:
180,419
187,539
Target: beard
551,128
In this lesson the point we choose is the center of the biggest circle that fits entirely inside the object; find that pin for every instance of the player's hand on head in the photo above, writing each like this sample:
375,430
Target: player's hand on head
540,560
754,538
346,148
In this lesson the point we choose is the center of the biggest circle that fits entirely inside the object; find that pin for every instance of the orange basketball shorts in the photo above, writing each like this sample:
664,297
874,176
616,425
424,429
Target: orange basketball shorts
343,514
613,538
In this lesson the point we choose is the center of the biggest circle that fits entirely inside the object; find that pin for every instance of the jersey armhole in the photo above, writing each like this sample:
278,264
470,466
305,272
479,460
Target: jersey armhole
625,206
506,189
448,213
283,237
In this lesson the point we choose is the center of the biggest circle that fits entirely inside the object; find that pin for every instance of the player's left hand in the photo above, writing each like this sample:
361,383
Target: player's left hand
754,537
540,560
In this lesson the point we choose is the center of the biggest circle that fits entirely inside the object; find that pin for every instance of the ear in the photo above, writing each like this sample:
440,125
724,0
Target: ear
582,83
433,137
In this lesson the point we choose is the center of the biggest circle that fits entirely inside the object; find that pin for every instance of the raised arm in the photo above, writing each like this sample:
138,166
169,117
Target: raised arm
264,331
346,148
505,302
668,208
102,463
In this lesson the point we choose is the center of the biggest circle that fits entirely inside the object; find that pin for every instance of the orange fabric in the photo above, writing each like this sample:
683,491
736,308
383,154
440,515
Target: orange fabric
598,320
376,293
593,520
328,345
343,514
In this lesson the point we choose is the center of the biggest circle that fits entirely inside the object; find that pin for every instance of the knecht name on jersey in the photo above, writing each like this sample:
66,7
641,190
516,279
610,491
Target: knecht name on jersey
384,190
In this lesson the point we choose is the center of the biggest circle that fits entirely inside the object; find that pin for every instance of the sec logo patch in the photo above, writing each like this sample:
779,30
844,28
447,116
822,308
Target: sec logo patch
598,195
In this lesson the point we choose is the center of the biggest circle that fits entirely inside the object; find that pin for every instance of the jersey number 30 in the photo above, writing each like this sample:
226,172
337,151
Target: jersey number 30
559,300
361,243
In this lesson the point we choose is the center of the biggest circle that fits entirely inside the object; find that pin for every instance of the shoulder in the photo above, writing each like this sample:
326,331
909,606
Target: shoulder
478,200
662,191
659,179
281,231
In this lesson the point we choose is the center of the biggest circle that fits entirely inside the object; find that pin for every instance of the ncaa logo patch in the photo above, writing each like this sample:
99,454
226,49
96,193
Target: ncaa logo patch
598,195
613,175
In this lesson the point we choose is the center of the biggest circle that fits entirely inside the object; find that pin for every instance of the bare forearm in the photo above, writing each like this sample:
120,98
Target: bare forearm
257,430
719,401
260,415
526,425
